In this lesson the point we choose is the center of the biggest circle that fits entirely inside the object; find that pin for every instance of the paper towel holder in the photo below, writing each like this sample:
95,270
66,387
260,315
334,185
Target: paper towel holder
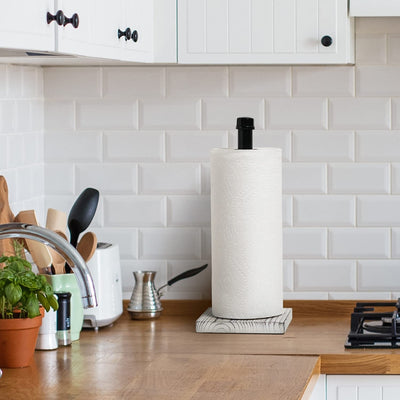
245,126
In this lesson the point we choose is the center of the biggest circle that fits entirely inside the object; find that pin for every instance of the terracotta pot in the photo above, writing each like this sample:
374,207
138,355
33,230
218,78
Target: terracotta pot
17,341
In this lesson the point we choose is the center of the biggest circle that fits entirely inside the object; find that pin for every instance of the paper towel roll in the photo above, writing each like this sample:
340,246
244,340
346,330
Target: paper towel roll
246,232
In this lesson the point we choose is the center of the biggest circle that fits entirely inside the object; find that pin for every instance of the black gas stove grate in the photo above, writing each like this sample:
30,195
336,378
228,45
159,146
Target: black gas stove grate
364,313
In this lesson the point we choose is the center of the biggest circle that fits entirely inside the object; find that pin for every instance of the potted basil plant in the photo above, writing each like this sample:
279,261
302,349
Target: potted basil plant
23,298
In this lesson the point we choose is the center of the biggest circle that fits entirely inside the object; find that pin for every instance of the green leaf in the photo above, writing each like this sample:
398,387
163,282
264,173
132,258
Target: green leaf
53,302
32,306
13,293
43,301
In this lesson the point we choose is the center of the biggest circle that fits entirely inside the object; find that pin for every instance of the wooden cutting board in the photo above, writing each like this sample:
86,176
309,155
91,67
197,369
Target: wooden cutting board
6,216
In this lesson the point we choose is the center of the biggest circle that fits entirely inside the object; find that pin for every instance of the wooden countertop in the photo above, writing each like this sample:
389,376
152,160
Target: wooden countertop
167,359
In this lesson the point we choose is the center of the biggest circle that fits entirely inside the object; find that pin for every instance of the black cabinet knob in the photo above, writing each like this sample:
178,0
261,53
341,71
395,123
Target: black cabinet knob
326,41
135,36
74,20
127,33
59,17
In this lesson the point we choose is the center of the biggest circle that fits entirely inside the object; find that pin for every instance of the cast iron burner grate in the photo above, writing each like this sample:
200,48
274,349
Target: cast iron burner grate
378,329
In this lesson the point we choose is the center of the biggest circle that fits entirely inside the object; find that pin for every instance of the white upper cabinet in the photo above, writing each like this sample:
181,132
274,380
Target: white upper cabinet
264,32
375,8
17,30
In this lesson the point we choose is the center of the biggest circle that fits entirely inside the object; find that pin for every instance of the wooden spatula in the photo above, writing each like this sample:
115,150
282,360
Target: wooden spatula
57,221
39,252
87,245
6,216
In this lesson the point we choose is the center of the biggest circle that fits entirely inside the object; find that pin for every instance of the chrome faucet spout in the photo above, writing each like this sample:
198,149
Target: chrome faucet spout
75,261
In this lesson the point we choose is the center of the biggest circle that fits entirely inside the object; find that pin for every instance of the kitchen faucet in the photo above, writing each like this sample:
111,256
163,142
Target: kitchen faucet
59,244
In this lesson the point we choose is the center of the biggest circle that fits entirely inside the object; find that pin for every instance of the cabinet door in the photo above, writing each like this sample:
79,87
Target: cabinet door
23,25
264,31
363,387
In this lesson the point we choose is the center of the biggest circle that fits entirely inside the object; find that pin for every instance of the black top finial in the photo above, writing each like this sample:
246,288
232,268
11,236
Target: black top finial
245,126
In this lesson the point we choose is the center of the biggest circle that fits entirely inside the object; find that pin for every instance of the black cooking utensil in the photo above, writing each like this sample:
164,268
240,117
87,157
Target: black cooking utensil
81,215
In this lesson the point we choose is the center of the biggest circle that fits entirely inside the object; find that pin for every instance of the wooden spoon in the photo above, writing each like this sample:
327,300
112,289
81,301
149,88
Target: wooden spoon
39,252
87,246
6,216
57,221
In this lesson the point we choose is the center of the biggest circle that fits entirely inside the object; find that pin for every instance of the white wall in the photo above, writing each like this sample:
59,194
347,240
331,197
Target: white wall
142,136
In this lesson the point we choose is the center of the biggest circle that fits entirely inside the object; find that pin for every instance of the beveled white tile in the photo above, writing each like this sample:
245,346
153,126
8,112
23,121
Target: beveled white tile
205,178
323,81
59,115
76,82
378,275
191,81
262,81
133,82
304,243
323,210
222,113
378,80
359,178
381,146
52,182
377,25
305,295
134,147
332,275
206,243
304,178
170,243
393,49
323,146
134,211
107,178
366,296
183,178
395,242
359,113
370,48
297,113
189,211
378,210
287,211
106,115
170,114
194,146
288,275
359,243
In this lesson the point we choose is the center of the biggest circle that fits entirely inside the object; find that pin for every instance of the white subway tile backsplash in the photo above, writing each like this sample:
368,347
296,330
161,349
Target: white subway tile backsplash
395,113
23,117
395,242
378,146
206,243
16,158
359,178
59,179
134,147
323,81
125,238
132,83
106,115
323,210
377,25
8,111
297,113
378,80
304,243
3,81
170,243
134,211
170,114
14,81
260,81
197,81
378,275
393,49
32,82
288,275
107,178
182,178
304,178
359,243
287,211
330,275
59,115
370,48
378,210
76,82
359,113
194,146
323,146
305,295
365,296
205,178
64,147
189,211
222,113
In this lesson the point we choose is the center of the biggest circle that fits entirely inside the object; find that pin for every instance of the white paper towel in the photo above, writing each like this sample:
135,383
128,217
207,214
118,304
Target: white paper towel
246,232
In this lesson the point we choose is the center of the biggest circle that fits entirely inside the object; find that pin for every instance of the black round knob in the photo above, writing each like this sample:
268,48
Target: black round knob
135,36
59,17
127,33
74,20
326,41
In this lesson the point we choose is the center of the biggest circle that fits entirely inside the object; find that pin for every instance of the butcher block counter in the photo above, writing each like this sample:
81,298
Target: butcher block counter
167,359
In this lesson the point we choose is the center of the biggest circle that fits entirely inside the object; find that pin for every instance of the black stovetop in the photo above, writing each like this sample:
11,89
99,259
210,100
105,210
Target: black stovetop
375,325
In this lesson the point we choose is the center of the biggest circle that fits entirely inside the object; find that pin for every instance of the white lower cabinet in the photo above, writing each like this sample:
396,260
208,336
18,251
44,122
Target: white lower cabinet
362,387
